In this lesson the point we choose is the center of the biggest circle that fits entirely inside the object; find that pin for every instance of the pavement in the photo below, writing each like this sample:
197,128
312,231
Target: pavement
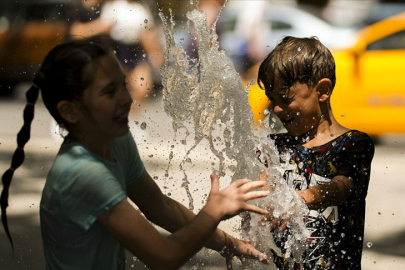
385,224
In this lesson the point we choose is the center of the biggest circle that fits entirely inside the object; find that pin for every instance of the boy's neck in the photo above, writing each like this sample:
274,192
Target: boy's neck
326,131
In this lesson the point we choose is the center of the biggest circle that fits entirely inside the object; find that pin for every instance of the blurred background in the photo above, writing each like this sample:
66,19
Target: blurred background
366,37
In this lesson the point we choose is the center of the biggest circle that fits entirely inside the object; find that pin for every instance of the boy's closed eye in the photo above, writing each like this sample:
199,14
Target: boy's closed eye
288,99
283,99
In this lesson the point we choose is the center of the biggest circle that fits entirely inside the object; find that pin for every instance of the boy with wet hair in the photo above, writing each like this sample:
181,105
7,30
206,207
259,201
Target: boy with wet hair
328,164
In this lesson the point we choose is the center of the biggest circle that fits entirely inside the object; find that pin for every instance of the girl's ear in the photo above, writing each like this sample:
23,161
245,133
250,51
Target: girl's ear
324,89
68,111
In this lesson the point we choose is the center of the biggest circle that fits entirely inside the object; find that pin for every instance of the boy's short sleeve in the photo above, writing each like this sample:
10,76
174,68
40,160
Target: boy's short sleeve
356,160
87,190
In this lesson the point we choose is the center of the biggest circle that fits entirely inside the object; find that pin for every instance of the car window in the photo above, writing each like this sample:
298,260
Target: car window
279,25
392,42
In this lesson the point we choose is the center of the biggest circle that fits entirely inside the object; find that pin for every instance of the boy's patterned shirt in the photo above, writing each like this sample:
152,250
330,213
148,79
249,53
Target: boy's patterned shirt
336,239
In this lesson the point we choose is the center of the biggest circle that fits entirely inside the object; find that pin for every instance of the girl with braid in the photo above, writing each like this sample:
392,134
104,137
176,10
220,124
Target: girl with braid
87,220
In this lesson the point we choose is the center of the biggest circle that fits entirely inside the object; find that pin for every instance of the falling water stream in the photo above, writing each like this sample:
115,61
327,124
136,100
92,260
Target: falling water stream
206,100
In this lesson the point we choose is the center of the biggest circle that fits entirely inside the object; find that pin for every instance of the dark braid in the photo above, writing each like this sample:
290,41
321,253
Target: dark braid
18,157
60,78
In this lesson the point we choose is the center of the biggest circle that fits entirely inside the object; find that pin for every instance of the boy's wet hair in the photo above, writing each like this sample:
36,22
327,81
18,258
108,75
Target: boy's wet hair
303,60
62,76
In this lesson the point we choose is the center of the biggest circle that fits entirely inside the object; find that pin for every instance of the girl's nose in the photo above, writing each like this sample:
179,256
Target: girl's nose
125,97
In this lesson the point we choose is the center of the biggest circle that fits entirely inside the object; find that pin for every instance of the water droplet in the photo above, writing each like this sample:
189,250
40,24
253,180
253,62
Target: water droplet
379,213
143,126
142,78
298,113
126,61
299,49
145,21
369,244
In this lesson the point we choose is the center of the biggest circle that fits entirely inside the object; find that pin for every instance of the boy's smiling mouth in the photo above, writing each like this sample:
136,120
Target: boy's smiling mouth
287,121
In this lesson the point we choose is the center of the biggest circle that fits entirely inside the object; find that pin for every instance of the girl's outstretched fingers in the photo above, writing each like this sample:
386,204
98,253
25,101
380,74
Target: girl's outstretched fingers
214,183
234,198
256,209
242,250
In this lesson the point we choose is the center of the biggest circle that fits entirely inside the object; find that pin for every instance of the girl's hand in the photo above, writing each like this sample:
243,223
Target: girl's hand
232,200
269,218
274,222
241,249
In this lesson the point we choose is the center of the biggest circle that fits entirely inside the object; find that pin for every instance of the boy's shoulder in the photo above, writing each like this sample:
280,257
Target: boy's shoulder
350,137
356,137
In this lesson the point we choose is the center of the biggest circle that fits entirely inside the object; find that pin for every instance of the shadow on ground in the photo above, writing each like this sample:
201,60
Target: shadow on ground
393,244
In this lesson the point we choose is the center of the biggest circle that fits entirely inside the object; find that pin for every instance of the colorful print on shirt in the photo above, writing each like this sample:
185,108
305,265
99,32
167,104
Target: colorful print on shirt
336,239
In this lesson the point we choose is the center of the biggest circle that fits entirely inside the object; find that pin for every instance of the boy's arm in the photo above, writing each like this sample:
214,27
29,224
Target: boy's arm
330,194
356,164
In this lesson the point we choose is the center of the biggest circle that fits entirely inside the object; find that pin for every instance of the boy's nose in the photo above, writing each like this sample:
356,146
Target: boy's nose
277,109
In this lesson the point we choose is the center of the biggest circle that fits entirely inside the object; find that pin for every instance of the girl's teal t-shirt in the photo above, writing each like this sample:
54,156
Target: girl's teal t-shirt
79,188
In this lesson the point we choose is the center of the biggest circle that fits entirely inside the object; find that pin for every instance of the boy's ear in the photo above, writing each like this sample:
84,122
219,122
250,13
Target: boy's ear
324,89
68,111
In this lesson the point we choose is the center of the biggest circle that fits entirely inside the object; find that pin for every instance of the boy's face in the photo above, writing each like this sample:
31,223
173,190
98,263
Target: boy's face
297,107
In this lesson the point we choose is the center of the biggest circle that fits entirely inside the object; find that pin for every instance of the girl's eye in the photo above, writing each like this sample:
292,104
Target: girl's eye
109,91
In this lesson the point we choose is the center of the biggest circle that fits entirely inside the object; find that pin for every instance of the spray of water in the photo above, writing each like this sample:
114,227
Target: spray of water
205,97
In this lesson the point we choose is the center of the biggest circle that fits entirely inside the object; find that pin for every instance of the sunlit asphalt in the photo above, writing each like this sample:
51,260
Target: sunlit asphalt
385,220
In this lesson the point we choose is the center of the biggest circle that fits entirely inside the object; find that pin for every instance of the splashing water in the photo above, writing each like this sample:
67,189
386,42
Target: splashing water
206,97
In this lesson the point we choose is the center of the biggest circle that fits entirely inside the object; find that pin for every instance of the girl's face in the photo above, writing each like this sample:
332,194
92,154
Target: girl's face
105,104
298,108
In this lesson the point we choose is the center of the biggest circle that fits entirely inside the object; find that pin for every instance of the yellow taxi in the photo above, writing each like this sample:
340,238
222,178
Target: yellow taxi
370,90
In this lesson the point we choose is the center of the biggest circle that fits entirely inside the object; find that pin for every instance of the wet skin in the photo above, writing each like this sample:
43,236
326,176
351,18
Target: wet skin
297,107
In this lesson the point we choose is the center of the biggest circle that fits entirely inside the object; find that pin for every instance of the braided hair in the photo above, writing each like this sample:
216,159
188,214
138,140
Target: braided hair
60,77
